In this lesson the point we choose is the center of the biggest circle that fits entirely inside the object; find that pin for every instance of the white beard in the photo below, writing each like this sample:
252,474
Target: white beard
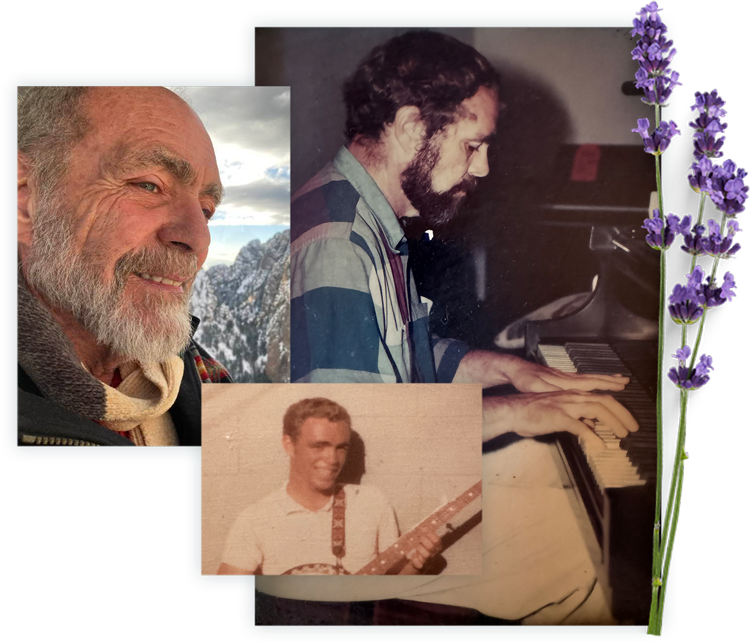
151,330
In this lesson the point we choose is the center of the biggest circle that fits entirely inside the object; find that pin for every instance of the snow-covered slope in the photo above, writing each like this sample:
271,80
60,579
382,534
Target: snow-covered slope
244,311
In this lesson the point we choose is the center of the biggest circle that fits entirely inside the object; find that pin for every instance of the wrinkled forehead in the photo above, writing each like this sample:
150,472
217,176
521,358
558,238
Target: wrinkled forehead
110,107
136,101
148,118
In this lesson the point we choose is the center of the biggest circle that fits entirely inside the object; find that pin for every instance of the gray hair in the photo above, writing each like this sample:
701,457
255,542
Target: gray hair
51,120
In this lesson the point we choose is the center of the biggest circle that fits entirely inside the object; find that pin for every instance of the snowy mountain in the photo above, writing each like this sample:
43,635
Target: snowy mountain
244,312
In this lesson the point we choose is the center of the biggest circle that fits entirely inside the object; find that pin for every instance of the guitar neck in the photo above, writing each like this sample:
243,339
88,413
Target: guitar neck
408,542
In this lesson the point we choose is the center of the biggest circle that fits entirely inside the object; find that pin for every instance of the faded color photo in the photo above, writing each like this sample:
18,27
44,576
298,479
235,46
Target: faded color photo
342,480
462,200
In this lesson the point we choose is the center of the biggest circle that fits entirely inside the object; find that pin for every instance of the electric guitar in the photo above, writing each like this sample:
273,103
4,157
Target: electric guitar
397,551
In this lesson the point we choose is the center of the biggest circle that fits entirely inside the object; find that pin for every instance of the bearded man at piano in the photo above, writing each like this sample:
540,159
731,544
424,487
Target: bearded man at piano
421,113
313,525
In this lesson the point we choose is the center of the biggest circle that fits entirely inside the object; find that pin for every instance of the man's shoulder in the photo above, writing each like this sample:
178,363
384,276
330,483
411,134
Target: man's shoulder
43,422
209,369
325,207
267,506
370,495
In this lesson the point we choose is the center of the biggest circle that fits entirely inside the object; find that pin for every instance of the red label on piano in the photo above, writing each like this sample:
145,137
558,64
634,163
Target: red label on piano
586,163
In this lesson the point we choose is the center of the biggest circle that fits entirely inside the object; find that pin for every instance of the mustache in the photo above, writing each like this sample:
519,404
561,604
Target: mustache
466,185
164,261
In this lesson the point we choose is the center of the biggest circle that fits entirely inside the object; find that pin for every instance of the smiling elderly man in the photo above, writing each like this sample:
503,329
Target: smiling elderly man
115,189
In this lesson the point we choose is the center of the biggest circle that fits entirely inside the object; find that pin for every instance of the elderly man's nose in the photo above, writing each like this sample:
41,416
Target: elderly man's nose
187,229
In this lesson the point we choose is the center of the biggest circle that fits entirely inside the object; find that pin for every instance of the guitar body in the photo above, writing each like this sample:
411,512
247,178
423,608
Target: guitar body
316,569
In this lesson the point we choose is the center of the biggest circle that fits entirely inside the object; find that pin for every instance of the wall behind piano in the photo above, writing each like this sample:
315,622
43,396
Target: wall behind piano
523,237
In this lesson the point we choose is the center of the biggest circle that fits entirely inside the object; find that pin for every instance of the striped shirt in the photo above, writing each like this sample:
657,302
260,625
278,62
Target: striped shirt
356,315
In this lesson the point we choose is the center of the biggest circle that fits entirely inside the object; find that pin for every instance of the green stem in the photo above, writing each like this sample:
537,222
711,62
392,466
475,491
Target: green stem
659,417
668,527
680,456
698,338
656,561
668,516
658,189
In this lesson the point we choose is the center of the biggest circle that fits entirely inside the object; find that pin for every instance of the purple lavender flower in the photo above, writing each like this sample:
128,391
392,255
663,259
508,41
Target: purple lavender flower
706,144
710,107
654,53
683,306
703,170
728,190
683,354
656,89
657,142
683,226
649,52
642,126
692,242
650,10
695,278
717,245
661,236
687,379
727,291
709,295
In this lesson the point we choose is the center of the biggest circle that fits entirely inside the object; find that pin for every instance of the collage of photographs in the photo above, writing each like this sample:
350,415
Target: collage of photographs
414,259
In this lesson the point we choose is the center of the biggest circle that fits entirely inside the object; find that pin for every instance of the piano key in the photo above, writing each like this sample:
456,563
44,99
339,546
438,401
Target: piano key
621,462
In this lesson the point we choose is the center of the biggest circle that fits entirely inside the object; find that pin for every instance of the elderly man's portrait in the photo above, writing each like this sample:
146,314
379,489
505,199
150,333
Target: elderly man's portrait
117,187
342,480
466,208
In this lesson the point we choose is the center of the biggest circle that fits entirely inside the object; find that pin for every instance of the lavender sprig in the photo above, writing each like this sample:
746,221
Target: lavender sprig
689,304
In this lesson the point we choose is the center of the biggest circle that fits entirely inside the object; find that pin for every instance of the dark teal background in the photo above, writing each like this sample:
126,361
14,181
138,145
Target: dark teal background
114,515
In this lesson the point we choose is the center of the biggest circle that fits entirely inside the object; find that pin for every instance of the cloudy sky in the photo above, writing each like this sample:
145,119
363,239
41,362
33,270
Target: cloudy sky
249,127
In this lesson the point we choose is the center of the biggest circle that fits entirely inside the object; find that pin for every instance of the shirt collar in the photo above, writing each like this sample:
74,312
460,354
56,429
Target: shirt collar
351,169
289,506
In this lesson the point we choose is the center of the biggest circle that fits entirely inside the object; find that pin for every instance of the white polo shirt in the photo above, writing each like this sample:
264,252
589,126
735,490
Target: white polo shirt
277,533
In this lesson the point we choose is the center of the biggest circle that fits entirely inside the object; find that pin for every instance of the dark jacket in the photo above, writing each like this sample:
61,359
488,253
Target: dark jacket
45,423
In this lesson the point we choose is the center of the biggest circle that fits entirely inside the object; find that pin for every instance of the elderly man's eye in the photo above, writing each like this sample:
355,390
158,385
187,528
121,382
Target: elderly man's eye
149,187
208,214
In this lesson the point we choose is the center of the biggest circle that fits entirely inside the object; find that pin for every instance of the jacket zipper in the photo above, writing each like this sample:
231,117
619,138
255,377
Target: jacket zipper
31,440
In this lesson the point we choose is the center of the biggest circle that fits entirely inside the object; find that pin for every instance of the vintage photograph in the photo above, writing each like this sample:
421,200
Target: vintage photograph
466,207
153,257
328,479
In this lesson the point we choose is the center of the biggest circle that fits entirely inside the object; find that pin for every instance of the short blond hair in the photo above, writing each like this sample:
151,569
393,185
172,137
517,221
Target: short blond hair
318,407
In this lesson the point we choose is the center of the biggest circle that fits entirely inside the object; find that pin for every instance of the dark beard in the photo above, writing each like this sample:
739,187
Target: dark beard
435,208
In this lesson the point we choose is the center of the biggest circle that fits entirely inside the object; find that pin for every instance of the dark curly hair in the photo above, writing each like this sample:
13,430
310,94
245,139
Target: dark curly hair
426,69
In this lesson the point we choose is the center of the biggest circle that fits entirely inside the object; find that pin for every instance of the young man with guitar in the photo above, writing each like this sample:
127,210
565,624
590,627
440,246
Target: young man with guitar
316,526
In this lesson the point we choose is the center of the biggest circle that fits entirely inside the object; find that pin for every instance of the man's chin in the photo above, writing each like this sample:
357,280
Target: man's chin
146,333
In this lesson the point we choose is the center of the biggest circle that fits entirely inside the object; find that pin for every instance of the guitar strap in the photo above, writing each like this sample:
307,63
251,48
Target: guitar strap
338,533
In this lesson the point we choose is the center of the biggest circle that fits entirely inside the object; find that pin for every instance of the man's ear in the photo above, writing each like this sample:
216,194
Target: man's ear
408,129
288,443
25,206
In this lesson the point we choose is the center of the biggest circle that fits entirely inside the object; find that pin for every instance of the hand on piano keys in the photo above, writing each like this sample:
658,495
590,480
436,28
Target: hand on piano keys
574,411
492,369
